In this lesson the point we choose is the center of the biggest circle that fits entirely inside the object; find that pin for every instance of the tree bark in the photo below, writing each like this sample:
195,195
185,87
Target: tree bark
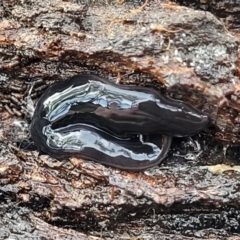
184,53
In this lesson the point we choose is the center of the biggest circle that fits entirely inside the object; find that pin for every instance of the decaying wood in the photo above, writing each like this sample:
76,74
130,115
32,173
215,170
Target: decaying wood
187,54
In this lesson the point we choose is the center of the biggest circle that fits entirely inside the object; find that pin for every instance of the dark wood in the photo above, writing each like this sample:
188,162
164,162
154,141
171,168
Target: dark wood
184,53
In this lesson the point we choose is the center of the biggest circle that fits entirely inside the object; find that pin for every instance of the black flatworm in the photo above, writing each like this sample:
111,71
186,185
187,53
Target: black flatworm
128,127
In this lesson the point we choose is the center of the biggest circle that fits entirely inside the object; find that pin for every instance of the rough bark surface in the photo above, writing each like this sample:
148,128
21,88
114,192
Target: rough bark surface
184,53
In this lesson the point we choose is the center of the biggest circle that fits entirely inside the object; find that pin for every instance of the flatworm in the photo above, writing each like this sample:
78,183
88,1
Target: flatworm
128,127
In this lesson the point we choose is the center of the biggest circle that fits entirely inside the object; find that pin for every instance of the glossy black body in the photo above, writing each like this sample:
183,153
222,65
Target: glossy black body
128,127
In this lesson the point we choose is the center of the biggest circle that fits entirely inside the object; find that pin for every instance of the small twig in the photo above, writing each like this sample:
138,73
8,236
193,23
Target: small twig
132,12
